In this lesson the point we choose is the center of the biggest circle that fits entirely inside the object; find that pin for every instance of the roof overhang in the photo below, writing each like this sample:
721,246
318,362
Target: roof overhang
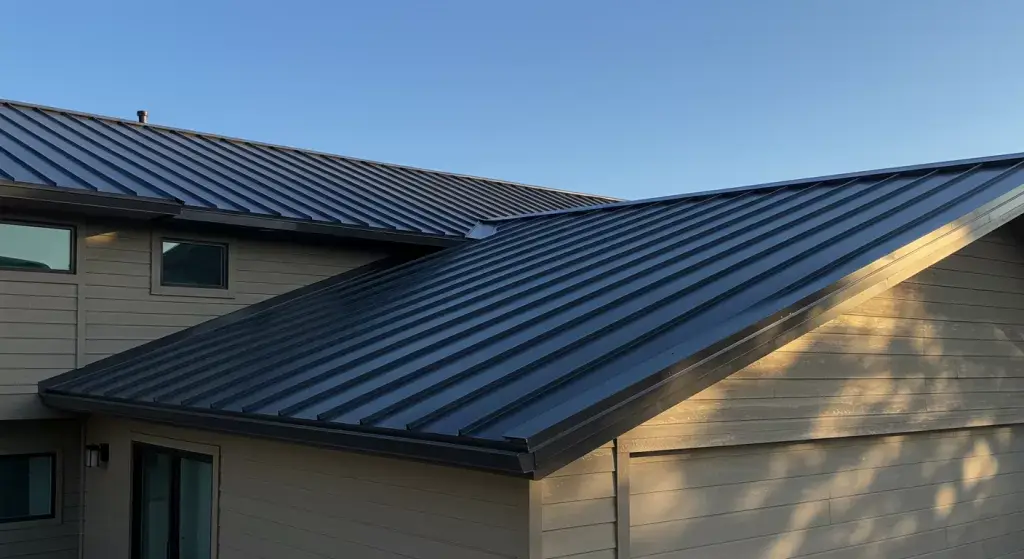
35,198
505,459
32,197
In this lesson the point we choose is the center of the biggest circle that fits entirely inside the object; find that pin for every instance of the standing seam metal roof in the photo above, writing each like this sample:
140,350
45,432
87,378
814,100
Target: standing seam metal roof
527,338
59,148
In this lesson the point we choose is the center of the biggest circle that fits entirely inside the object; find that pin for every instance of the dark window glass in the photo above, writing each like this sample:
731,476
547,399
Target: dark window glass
36,247
173,504
26,487
188,264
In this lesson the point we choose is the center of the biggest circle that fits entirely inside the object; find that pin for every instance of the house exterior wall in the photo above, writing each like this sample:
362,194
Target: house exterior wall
930,495
910,403
284,500
942,350
50,323
55,538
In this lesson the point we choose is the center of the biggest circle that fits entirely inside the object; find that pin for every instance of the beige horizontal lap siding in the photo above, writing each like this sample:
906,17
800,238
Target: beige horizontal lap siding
121,312
942,350
285,500
37,337
953,494
52,538
578,508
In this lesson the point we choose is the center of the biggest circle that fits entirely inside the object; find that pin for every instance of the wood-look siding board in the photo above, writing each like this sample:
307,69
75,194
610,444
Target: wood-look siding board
41,331
430,535
417,500
974,279
579,507
36,302
947,494
825,366
38,289
120,332
117,280
147,319
857,325
470,485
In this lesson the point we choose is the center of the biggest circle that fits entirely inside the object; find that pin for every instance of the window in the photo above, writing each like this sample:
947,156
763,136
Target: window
27,484
172,503
36,248
192,264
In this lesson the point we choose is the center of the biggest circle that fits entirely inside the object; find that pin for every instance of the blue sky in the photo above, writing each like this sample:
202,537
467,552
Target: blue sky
632,99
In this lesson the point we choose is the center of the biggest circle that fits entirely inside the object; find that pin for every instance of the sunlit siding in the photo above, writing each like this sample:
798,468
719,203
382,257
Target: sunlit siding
948,495
579,508
942,350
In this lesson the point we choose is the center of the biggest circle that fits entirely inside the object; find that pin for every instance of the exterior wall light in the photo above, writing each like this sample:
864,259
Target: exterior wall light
97,455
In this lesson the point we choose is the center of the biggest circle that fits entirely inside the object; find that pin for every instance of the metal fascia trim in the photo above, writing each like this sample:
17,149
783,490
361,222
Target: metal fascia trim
318,228
11,190
508,462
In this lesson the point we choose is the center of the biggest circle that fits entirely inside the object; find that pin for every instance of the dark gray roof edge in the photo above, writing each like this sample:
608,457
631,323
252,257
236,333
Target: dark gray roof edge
121,204
508,460
576,436
14,190
294,149
481,231
221,321
254,221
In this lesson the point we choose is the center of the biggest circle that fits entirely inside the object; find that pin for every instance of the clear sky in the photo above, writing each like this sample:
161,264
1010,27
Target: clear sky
627,98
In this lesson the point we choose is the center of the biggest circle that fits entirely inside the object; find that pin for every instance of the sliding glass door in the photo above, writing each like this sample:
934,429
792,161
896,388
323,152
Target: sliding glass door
172,503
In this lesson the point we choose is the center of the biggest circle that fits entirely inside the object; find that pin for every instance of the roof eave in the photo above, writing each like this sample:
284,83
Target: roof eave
572,438
506,460
20,195
251,221
34,197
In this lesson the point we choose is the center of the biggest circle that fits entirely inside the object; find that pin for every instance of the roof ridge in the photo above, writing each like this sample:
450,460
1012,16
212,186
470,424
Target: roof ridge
480,227
295,149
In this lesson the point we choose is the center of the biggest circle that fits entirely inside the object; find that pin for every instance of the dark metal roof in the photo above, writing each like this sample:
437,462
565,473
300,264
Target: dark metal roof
554,334
59,148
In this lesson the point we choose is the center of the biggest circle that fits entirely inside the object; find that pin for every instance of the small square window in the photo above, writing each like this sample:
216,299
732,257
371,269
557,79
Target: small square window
36,248
27,484
192,264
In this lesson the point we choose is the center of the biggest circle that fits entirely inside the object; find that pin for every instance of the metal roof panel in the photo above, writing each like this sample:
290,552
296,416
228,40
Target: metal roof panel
56,147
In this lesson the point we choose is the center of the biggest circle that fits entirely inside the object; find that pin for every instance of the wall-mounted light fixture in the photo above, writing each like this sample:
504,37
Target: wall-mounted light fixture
97,455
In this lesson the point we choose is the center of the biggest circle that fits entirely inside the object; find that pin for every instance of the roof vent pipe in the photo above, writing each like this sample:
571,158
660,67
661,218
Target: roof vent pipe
143,116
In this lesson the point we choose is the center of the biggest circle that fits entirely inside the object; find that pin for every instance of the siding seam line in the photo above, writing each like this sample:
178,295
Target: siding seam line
622,495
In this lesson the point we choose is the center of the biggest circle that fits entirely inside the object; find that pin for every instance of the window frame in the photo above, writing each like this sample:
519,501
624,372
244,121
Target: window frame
177,448
157,286
54,479
72,246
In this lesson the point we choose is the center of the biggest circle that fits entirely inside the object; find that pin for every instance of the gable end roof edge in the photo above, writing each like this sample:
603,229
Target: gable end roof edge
485,227
577,436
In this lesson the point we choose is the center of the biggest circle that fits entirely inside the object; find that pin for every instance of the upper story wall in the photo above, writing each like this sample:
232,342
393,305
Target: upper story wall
51,323
941,350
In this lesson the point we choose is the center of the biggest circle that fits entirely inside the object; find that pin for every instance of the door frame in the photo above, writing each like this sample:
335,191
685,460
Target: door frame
176,448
